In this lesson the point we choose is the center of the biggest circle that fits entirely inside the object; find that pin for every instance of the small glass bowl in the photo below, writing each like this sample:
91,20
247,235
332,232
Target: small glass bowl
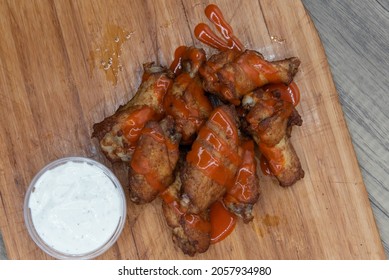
59,254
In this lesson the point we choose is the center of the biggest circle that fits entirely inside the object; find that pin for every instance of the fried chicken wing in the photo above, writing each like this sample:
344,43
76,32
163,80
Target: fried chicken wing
213,161
233,74
270,120
191,232
185,100
119,133
154,160
244,193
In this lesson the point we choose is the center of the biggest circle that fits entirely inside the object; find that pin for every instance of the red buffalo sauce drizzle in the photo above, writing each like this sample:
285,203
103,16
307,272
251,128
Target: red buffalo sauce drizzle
176,65
182,53
222,222
137,119
219,145
258,70
161,86
275,159
204,33
245,177
289,93
141,164
135,122
203,159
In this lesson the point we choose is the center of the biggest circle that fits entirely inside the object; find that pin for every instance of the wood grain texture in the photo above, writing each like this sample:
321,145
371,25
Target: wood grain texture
51,96
356,40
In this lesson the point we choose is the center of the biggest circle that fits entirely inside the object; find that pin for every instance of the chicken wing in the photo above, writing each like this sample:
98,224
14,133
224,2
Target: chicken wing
119,133
154,160
270,120
191,232
232,74
185,100
213,161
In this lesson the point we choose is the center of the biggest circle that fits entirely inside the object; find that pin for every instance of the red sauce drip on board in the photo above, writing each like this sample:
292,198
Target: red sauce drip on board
222,222
265,166
204,159
207,36
289,93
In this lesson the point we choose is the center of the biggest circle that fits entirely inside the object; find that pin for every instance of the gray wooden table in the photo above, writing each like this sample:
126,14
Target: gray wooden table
355,35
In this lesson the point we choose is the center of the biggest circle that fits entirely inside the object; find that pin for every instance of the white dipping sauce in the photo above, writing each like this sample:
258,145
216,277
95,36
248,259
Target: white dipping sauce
75,207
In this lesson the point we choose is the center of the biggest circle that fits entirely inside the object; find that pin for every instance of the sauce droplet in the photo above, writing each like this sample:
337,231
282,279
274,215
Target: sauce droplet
222,222
204,33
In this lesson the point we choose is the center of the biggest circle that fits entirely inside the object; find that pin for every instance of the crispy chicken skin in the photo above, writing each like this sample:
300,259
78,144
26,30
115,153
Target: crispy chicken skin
119,133
269,121
241,197
213,161
190,233
154,160
231,74
185,100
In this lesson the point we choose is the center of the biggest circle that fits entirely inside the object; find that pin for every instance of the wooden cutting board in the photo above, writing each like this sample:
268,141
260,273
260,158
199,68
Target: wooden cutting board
53,87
